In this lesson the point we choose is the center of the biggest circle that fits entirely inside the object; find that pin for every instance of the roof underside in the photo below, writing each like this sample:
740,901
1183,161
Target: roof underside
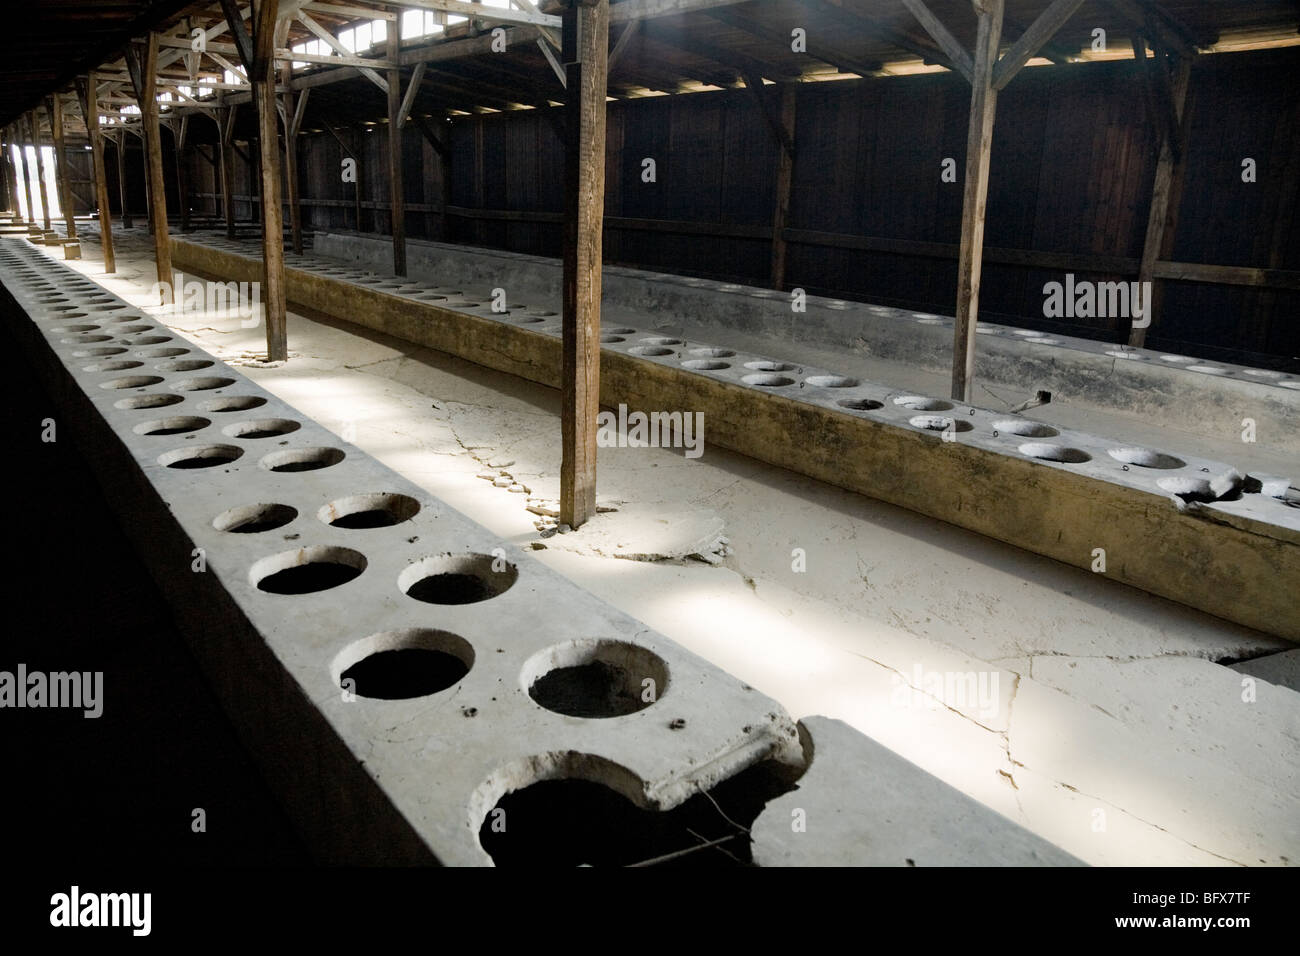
681,46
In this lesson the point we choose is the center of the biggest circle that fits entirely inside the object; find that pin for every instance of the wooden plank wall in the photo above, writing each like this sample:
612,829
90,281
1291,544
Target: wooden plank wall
1073,160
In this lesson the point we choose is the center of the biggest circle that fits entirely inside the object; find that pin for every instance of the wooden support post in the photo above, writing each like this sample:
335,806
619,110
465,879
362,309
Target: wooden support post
227,167
358,194
11,175
120,142
1165,189
979,144
397,195
55,109
88,94
585,52
261,71
40,170
443,148
162,250
291,118
28,172
784,179
180,133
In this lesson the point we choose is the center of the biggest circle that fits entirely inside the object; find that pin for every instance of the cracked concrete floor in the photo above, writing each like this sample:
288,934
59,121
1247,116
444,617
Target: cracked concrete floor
1106,726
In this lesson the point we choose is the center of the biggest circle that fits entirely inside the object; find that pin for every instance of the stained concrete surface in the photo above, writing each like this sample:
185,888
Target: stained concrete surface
859,804
1109,730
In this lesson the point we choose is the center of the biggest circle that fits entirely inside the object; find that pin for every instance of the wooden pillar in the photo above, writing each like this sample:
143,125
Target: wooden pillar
61,164
180,133
90,112
585,52
291,157
358,194
162,251
120,142
148,182
11,174
979,144
261,71
40,170
1165,188
784,180
30,175
225,144
397,197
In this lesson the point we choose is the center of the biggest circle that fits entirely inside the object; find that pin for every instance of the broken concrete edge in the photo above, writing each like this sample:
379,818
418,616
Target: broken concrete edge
1077,496
337,762
861,804
1164,387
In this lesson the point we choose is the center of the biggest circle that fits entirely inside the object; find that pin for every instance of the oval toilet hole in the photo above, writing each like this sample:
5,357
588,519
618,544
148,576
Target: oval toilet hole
403,664
201,384
713,353
185,365
99,352
831,381
766,366
661,340
149,401
254,519
232,403
921,403
161,352
1049,452
464,578
860,404
131,381
262,428
767,380
705,365
650,350
302,459
621,331
176,425
307,570
117,366
938,423
205,456
369,511
1024,427
1145,458
611,339
595,678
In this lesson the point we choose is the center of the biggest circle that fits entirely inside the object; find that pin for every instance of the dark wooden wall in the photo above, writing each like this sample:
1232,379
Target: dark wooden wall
1073,161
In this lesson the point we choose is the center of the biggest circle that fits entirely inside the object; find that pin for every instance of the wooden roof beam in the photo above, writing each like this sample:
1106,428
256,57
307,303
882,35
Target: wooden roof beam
844,63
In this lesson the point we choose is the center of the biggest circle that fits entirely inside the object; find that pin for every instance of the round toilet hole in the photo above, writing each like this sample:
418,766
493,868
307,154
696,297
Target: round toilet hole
595,679
254,519
307,570
1049,452
403,664
232,403
176,425
465,578
1145,458
302,459
205,456
262,428
369,511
